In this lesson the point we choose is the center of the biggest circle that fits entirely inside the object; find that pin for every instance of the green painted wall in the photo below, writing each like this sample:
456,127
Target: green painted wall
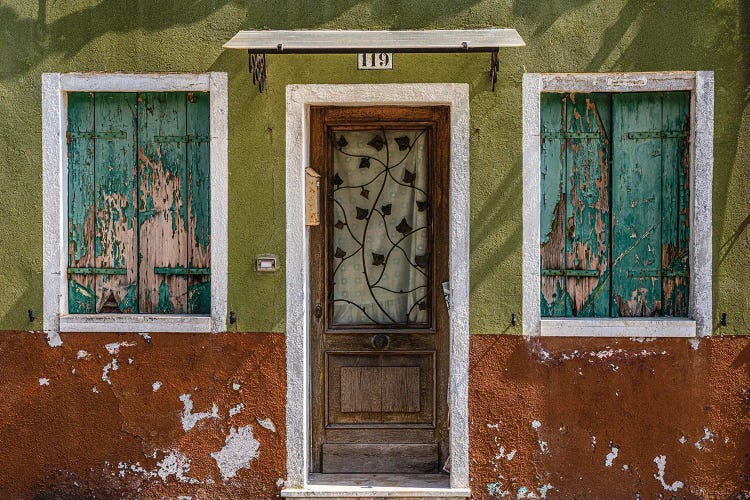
562,36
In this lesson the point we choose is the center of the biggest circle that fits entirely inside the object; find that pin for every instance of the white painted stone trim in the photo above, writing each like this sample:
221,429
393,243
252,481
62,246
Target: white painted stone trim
617,327
147,323
299,98
55,87
701,86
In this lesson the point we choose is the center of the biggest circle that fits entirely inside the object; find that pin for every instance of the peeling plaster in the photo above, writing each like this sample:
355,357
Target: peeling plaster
708,436
610,458
43,381
661,463
189,419
267,423
695,343
82,354
236,386
156,386
175,464
239,450
235,410
683,440
107,368
146,337
114,347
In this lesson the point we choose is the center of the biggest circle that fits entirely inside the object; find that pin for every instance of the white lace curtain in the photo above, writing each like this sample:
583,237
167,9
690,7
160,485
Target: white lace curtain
380,227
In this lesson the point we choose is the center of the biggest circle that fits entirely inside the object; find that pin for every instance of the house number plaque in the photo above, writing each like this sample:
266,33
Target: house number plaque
375,60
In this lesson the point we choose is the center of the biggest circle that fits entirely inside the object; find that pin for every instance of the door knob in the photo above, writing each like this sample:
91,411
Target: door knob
380,341
318,311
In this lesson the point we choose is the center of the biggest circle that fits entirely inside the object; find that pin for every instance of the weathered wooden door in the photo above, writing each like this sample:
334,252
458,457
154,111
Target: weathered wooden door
379,325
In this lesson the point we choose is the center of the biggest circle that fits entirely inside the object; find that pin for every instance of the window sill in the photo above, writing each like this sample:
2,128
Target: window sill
618,327
138,323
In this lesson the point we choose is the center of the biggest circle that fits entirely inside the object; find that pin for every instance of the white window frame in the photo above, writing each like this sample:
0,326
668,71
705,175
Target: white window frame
55,88
700,84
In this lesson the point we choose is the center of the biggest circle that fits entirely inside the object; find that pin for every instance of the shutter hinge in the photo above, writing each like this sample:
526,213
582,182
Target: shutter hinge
67,137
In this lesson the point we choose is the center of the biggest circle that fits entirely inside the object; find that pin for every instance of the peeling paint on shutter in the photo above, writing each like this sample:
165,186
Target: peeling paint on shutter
615,192
139,229
199,202
116,242
575,213
81,202
650,201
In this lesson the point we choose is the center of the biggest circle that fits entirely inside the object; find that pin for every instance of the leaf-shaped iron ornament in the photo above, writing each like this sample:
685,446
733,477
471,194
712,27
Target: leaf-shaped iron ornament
362,213
422,260
377,142
409,177
403,227
337,180
403,143
365,193
342,142
377,259
339,254
422,305
422,205
364,162
339,224
386,209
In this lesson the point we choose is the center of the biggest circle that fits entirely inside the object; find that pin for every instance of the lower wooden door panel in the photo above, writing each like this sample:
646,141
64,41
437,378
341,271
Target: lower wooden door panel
380,458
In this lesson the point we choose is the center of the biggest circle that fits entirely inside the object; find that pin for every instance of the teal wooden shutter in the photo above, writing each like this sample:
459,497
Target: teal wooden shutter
575,210
650,199
174,221
101,203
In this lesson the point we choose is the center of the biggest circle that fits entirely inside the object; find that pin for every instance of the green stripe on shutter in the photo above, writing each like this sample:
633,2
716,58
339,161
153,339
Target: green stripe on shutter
81,196
198,202
650,195
676,204
554,296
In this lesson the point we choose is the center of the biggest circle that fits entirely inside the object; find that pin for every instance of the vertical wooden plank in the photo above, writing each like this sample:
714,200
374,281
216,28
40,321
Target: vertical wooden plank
81,201
162,208
554,298
675,207
116,237
587,209
198,201
636,205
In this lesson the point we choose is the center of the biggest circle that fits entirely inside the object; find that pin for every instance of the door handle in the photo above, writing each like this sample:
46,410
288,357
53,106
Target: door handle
318,311
380,341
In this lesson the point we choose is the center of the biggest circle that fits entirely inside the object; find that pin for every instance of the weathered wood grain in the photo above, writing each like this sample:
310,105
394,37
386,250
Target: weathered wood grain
162,198
375,458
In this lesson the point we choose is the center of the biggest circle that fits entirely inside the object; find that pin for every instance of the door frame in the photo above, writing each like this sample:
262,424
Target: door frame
299,99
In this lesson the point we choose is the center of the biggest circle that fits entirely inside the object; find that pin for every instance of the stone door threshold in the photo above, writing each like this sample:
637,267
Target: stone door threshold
411,486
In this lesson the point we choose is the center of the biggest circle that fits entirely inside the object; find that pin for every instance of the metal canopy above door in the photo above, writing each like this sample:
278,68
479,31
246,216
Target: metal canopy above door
260,43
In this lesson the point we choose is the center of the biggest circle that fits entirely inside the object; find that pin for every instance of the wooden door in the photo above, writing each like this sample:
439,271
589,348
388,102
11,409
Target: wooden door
379,323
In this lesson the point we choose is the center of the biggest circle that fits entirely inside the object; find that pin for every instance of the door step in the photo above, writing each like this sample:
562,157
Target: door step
386,486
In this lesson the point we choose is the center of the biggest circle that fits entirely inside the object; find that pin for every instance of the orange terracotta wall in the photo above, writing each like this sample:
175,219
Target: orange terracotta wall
546,417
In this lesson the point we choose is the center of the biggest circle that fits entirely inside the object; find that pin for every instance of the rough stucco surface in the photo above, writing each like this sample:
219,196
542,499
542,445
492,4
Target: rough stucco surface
546,417
107,416
561,36
561,407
